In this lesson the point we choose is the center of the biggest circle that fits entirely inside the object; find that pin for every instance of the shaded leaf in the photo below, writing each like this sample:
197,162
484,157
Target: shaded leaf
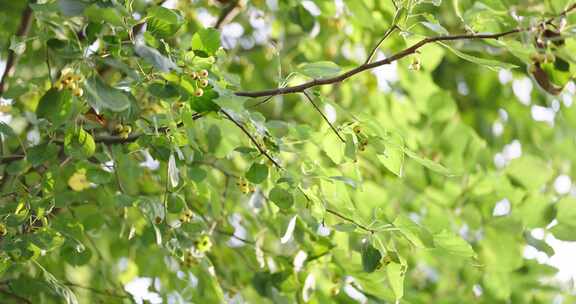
206,40
370,258
101,96
321,69
163,22
257,173
453,244
56,106
281,197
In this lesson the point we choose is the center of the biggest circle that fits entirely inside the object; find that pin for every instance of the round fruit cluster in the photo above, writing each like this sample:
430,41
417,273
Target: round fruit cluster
201,78
123,131
70,81
244,186
186,216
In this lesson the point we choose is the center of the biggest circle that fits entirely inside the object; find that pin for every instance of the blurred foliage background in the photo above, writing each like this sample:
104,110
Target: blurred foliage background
133,170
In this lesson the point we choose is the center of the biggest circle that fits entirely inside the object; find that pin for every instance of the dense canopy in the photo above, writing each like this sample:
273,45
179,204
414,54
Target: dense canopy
286,151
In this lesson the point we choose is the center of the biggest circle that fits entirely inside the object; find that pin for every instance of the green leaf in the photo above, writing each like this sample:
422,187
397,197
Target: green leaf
163,22
40,154
321,69
541,245
564,232
257,173
157,60
566,211
370,258
55,106
362,14
393,155
72,7
6,130
206,40
453,244
345,227
301,17
494,65
98,176
435,27
101,96
395,273
163,90
281,197
417,234
79,144
498,284
76,255
529,171
108,15
197,174
434,166
400,16
176,203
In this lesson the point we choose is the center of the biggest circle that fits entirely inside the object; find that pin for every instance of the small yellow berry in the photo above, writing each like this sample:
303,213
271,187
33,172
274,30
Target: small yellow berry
3,230
118,128
194,75
78,92
415,65
203,244
177,106
203,74
204,83
357,129
199,92
186,216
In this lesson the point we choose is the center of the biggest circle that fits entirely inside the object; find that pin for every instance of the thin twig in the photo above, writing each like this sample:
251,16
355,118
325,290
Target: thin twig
228,13
261,102
99,255
334,212
375,49
48,66
323,116
12,59
262,151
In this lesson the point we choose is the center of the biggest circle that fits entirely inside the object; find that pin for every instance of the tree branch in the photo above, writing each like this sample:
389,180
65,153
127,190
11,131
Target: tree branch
367,66
12,59
399,55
